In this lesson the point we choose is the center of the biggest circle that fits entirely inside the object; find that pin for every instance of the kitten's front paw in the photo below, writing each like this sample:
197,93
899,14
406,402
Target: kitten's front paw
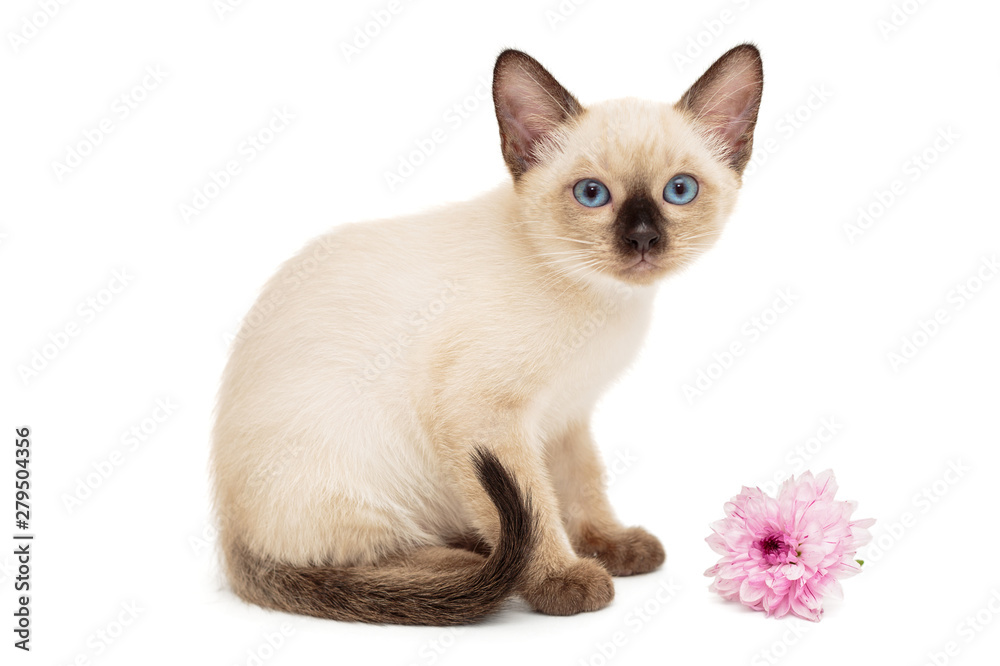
624,552
582,586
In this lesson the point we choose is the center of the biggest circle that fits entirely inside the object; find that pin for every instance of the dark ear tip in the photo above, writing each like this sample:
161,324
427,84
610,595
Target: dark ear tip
511,54
747,50
504,60
746,46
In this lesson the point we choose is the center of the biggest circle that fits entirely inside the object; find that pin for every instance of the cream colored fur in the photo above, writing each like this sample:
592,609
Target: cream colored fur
390,349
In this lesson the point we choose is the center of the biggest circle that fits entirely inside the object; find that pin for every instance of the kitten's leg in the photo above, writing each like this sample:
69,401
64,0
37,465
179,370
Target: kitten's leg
558,581
578,476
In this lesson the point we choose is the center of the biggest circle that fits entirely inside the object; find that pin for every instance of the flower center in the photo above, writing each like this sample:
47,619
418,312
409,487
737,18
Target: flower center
770,545
774,549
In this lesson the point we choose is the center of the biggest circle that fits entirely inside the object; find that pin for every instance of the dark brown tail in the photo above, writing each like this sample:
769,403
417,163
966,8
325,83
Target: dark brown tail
401,593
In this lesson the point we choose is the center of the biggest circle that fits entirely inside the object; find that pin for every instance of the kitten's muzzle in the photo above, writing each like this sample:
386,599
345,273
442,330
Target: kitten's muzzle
640,226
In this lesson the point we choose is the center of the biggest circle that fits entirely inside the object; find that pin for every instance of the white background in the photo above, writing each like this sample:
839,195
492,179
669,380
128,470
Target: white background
864,101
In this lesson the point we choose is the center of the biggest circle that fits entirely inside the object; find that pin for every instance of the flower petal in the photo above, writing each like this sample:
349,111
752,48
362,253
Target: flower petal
751,593
793,571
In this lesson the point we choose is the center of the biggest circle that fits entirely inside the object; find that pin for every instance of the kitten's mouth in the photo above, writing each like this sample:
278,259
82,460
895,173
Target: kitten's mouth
642,264
640,268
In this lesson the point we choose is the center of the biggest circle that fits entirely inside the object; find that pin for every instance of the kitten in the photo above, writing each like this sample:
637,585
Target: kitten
402,431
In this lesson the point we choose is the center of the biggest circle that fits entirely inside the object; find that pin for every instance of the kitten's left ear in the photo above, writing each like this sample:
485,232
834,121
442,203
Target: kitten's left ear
726,99
530,105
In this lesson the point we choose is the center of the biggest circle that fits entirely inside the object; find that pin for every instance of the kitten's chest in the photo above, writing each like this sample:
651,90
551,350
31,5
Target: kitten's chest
594,350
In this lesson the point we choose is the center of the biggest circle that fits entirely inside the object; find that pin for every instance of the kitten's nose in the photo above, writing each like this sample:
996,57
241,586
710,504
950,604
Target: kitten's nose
642,238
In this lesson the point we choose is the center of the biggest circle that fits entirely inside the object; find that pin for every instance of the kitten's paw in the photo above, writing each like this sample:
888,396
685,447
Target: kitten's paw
582,586
623,552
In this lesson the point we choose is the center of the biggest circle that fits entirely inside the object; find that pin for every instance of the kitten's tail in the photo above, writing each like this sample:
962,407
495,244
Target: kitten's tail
401,593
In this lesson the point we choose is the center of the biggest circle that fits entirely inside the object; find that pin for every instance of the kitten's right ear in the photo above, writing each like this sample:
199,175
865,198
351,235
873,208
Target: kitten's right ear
725,100
530,105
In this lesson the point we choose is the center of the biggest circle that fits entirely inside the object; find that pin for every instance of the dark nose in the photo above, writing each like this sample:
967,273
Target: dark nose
642,238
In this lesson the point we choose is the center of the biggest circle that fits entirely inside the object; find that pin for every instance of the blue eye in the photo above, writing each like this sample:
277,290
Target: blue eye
681,189
591,193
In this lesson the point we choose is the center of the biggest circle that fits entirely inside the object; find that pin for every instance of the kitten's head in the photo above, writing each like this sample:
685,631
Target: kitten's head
626,190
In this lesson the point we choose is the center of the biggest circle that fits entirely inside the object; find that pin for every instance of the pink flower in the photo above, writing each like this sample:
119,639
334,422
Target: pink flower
785,555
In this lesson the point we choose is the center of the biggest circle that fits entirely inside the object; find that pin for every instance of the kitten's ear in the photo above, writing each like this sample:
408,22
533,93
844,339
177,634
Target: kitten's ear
530,105
726,99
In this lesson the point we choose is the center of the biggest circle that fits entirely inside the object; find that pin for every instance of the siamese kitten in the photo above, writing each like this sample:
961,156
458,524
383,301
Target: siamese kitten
402,432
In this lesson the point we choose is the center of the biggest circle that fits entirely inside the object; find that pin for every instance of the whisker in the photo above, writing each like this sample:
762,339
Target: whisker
577,253
574,240
562,269
694,236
